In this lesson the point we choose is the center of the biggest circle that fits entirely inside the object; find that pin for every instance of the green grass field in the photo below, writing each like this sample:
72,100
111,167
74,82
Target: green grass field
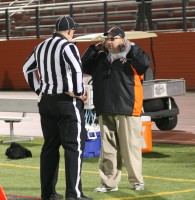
169,174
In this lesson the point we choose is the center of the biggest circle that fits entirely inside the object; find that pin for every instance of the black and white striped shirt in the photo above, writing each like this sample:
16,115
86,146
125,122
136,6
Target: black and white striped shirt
59,67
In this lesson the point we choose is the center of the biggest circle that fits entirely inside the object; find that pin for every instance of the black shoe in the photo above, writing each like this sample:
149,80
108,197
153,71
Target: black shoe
81,198
56,196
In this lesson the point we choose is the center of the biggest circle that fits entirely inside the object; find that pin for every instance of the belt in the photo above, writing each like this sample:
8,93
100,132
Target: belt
44,94
64,93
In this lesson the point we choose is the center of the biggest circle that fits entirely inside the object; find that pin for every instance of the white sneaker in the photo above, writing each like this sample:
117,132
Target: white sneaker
103,188
138,186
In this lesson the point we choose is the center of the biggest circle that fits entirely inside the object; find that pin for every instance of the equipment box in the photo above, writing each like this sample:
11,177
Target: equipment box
163,88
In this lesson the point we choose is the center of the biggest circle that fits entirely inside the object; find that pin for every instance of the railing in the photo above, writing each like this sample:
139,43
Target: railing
37,21
20,5
21,8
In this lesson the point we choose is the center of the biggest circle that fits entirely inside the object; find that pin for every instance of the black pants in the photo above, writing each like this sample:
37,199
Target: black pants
148,16
62,122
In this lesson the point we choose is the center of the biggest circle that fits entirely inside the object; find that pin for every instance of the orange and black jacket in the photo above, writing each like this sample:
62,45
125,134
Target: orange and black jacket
117,86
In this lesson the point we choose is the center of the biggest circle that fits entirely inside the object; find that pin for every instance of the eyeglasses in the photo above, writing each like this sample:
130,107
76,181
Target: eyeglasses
111,39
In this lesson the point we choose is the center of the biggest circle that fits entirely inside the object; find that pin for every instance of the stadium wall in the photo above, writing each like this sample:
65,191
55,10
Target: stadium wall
173,52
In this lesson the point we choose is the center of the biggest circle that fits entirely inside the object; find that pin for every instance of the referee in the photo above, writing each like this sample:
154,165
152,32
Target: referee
60,90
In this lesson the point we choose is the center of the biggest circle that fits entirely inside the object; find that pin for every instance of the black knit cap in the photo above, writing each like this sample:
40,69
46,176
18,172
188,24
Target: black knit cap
115,31
65,23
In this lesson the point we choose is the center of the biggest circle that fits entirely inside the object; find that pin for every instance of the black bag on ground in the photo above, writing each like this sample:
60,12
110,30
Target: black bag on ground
16,151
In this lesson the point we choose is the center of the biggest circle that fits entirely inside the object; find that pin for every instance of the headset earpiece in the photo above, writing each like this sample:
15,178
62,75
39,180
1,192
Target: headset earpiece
122,47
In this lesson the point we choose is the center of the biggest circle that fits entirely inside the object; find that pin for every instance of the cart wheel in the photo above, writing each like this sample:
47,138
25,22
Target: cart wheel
166,123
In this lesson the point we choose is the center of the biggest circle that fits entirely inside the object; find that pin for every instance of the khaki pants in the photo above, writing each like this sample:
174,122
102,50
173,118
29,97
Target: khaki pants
121,139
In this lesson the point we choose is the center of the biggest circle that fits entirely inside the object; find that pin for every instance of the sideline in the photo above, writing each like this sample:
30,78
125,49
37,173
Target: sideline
93,172
160,194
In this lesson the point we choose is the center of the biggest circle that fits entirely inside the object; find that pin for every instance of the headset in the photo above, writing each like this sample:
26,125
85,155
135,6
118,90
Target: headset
122,47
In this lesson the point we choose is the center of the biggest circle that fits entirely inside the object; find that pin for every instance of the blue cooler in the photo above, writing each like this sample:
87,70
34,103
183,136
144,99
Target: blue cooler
92,145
